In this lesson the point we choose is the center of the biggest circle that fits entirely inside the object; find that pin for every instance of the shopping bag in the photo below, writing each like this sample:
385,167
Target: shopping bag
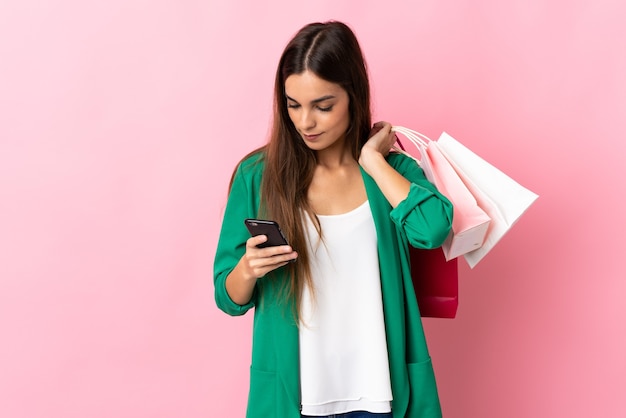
469,222
436,283
504,200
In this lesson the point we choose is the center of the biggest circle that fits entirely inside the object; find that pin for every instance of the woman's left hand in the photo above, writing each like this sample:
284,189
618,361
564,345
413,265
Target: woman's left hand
381,138
393,185
380,141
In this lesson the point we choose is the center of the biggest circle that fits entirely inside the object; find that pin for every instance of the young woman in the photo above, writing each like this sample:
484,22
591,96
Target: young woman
337,331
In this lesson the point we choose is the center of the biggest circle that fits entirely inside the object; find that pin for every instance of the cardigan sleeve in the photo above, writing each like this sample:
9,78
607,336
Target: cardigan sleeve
233,236
425,215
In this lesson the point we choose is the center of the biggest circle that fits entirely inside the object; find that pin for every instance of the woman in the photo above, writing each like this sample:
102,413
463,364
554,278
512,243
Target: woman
338,331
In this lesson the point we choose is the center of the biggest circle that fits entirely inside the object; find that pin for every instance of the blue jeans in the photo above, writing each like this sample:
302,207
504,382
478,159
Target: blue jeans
355,414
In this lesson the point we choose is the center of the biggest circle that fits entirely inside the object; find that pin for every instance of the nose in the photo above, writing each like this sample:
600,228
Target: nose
307,120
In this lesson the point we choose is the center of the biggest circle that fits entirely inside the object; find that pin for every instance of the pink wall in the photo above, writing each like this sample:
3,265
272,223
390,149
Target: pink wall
121,121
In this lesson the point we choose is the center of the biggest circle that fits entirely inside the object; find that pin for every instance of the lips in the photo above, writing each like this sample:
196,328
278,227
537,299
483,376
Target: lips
311,137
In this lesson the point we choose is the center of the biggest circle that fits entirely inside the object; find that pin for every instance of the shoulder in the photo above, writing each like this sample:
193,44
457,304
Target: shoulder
248,173
252,162
250,166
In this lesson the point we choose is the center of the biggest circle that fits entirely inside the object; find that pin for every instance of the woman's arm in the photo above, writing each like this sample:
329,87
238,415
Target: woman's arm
418,208
253,265
238,263
393,185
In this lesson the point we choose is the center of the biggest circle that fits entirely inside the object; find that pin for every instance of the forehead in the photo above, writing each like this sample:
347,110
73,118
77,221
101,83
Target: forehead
307,86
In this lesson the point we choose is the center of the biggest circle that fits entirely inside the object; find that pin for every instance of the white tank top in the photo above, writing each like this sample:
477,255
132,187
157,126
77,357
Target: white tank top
344,364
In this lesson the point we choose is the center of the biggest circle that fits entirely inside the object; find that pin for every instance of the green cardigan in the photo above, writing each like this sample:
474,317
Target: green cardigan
423,219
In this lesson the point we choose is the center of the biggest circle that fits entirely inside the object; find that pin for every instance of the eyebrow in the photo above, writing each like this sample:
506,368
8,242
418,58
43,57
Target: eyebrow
320,99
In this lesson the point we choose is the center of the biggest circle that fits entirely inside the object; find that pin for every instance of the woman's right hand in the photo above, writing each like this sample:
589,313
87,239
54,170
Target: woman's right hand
257,262
254,264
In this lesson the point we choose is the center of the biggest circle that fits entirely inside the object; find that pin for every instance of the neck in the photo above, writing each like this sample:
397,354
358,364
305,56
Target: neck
335,157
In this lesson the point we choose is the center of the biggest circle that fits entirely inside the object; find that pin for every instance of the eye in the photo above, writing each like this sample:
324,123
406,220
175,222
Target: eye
326,109
292,105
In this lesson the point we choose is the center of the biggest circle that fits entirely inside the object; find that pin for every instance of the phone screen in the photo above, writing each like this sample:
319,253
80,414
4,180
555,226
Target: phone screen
265,227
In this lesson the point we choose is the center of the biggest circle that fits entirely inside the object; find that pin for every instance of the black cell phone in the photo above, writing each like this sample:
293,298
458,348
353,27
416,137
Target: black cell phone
265,227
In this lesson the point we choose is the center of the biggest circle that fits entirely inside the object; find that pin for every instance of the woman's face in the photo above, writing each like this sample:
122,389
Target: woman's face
318,110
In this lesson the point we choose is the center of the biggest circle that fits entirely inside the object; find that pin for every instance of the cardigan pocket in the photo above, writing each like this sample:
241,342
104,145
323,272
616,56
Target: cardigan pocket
424,400
262,399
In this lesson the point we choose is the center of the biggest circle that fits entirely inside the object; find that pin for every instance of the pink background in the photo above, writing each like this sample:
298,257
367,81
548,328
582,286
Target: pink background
120,123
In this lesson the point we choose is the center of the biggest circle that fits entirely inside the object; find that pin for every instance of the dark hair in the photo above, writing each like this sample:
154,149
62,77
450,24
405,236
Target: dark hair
331,51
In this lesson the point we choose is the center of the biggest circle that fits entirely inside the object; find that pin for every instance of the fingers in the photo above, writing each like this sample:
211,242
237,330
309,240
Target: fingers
381,138
383,129
256,240
380,126
260,261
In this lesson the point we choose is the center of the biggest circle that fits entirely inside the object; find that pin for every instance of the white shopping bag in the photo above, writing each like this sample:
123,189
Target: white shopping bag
504,200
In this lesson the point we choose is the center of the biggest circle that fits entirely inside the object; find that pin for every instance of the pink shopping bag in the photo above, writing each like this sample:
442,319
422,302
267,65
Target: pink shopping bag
498,195
470,223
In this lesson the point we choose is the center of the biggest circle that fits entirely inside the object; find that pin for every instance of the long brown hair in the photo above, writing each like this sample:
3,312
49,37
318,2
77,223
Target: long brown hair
331,51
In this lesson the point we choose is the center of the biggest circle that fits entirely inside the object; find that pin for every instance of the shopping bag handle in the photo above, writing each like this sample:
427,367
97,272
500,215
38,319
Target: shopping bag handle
418,139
